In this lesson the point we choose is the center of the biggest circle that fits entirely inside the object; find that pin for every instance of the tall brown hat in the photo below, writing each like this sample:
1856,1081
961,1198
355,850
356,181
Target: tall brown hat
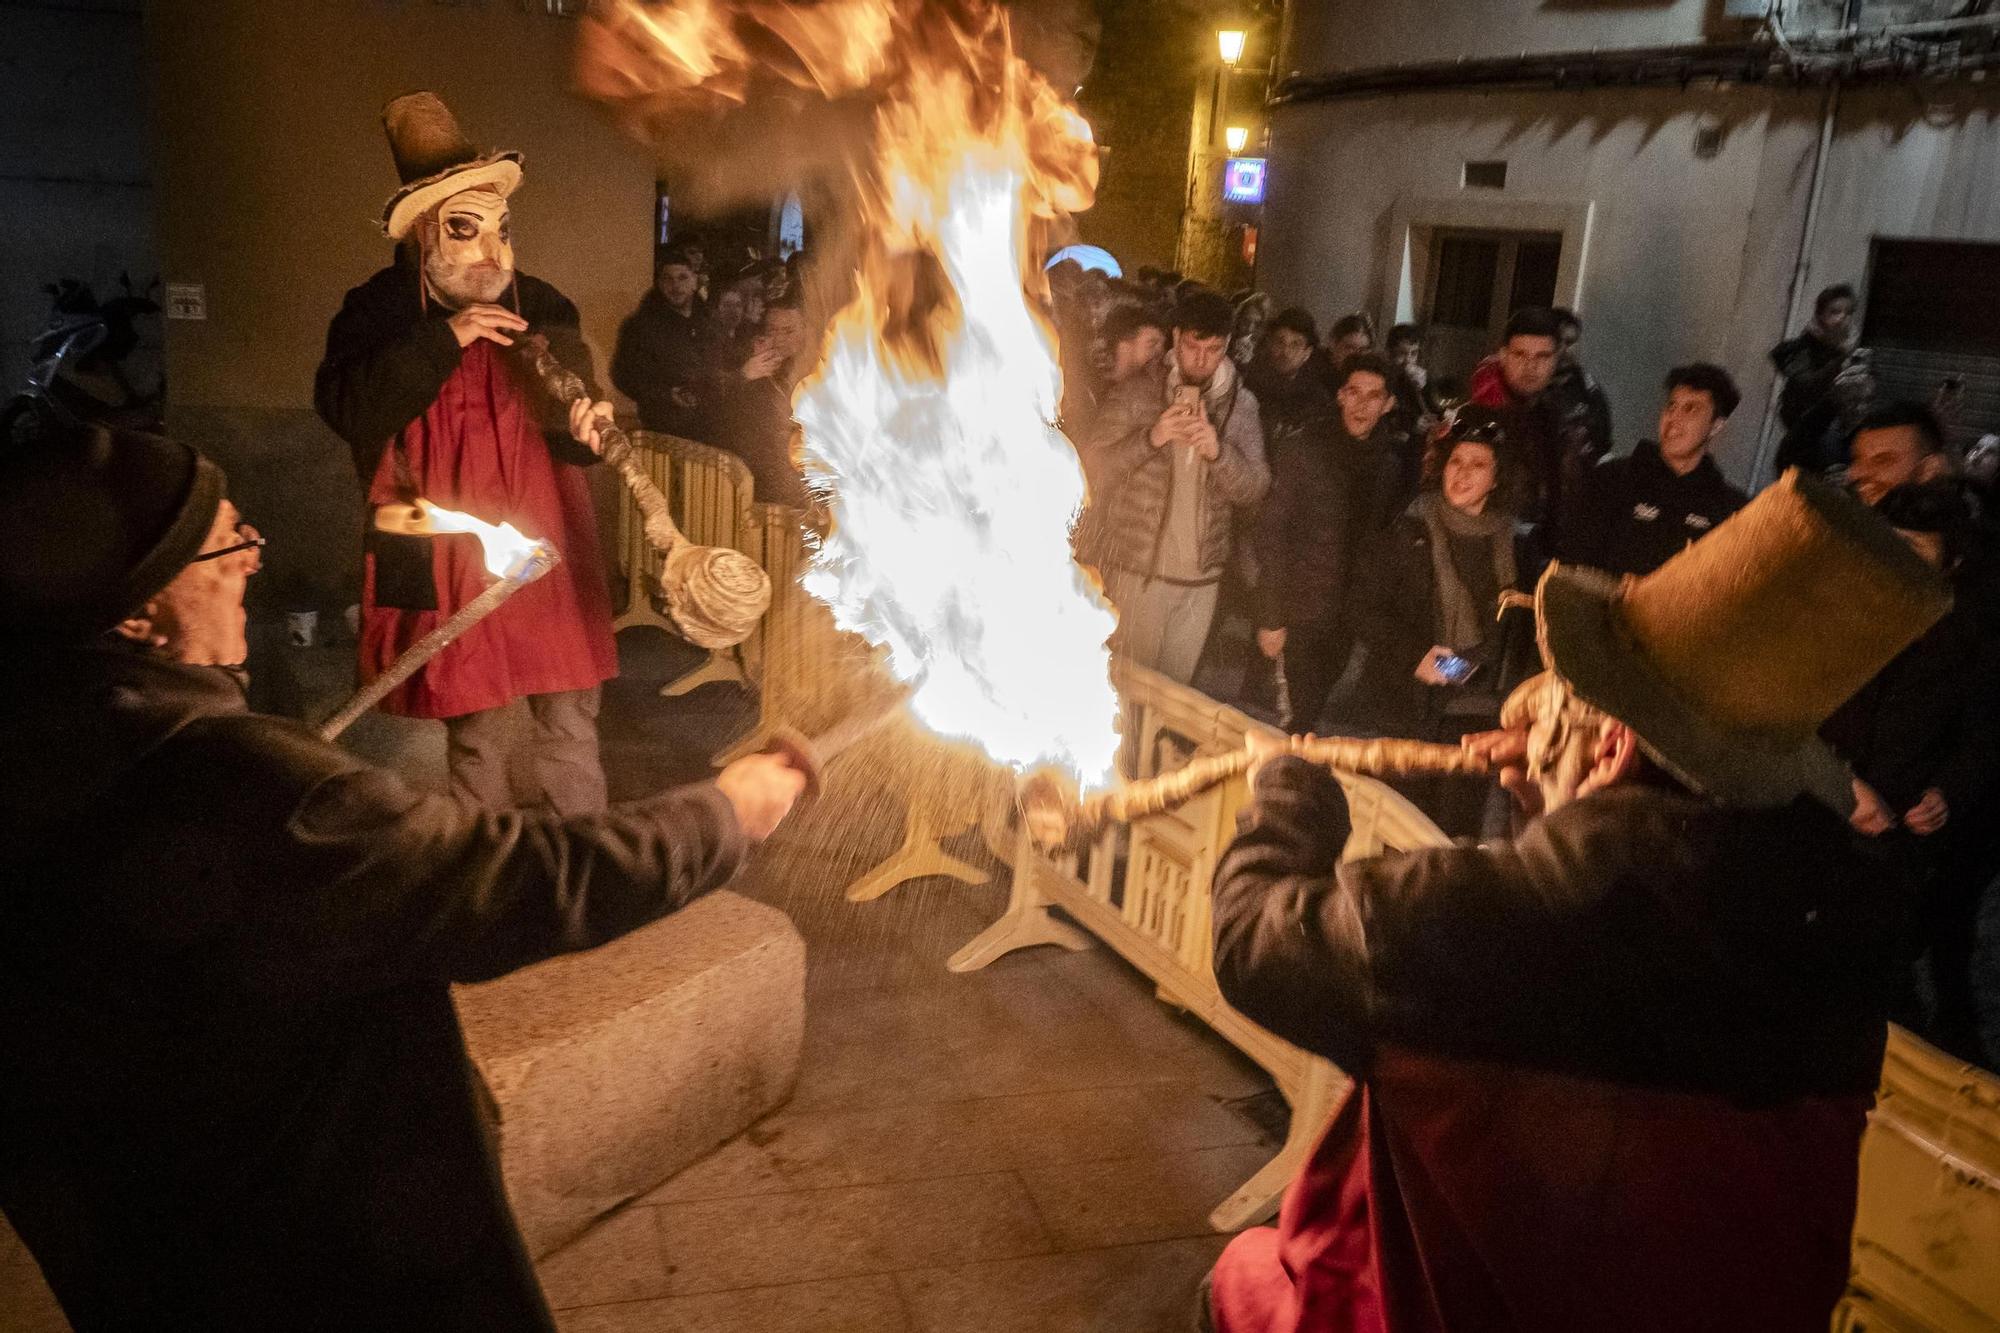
435,161
1726,660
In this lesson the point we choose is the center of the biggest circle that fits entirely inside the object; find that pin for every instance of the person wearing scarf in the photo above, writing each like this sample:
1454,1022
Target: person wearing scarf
1447,562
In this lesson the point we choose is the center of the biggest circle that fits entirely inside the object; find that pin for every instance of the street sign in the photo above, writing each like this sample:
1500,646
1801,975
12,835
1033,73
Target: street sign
1243,180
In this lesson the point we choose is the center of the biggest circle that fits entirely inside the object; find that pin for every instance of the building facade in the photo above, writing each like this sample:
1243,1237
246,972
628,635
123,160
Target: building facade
1685,175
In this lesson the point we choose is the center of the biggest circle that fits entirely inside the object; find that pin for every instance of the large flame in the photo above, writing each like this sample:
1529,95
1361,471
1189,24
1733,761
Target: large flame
505,551
929,422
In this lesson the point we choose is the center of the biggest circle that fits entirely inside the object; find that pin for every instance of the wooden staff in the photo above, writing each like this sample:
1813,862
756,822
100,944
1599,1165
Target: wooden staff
714,595
1055,812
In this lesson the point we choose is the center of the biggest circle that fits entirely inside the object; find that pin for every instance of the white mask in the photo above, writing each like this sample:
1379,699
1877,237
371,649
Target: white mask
469,253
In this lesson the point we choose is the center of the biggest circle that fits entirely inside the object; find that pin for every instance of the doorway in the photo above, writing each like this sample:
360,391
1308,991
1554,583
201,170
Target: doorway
1479,277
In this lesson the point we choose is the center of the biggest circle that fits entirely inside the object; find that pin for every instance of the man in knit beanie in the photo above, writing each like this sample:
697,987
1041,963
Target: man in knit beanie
233,1090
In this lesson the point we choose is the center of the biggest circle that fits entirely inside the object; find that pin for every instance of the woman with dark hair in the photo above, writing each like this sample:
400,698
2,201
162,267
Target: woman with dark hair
1443,651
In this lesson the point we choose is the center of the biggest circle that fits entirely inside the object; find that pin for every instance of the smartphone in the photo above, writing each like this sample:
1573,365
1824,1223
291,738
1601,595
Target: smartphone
1187,397
1456,669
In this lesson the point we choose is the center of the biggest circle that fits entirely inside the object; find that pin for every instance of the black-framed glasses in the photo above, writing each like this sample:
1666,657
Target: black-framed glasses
247,544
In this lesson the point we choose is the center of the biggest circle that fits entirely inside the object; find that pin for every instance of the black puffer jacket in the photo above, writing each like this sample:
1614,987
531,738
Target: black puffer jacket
233,1091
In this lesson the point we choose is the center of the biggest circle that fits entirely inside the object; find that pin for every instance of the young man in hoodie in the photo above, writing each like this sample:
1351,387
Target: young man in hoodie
1633,514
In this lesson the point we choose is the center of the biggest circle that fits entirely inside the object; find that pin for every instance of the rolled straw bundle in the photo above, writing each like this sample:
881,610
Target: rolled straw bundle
714,595
1055,812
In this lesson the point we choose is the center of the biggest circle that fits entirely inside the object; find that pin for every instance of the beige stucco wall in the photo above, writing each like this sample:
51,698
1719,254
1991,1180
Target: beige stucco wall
272,170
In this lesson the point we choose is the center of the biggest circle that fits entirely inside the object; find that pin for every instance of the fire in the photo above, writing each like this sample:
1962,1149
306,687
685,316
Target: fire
929,422
506,552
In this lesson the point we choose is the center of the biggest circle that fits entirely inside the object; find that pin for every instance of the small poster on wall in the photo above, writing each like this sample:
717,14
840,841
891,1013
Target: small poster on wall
187,300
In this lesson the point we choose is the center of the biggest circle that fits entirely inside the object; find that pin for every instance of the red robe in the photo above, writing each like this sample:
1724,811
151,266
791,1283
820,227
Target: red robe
1613,1074
479,448
1450,1195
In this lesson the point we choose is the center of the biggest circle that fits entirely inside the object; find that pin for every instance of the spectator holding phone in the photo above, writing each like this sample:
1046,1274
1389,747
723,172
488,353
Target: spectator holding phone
1441,653
1177,452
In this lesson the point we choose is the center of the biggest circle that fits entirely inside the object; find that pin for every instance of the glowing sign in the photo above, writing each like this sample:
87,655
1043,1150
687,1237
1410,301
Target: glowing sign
1243,180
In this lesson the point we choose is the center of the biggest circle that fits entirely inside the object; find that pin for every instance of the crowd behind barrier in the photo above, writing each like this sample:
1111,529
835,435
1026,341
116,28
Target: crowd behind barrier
1324,534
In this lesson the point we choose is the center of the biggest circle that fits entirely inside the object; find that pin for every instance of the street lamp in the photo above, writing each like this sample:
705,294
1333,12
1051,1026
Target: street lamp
1230,42
1236,136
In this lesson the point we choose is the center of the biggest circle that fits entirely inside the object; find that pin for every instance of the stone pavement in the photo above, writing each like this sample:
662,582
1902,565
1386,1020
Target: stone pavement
1029,1149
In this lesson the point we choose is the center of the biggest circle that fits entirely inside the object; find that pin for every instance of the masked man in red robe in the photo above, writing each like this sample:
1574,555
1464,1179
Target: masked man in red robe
1612,1074
418,380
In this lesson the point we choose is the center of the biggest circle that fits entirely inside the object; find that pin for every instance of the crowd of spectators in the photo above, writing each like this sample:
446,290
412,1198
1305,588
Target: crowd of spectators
1317,529
1320,531
714,359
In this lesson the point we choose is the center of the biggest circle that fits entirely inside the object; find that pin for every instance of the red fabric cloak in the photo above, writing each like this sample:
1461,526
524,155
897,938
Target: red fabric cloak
1456,1195
478,448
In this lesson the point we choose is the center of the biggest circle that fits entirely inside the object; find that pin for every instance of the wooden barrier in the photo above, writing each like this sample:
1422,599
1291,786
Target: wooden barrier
1143,890
1927,1231
1929,1216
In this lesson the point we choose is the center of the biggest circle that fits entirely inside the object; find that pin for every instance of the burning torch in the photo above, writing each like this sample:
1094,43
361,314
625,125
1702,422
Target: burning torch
515,561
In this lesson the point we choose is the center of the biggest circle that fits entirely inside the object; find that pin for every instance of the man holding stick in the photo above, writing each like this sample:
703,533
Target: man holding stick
233,1091
416,379
1612,1074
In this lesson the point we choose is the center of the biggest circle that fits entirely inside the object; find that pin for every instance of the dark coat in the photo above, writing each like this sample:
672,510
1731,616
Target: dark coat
1289,407
1807,406
1633,514
1611,1075
1547,459
1331,498
754,422
387,355
1397,611
233,1091
660,350
1928,719
1583,412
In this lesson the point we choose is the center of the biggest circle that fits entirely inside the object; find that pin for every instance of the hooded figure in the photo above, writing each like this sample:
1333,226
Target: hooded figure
1614,1073
417,380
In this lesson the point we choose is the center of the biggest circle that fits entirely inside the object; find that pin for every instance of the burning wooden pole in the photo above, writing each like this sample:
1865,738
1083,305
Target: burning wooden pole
1055,812
539,560
715,596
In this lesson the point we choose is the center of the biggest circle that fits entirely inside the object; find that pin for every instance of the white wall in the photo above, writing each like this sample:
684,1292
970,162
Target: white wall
1332,35
1671,252
1908,162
